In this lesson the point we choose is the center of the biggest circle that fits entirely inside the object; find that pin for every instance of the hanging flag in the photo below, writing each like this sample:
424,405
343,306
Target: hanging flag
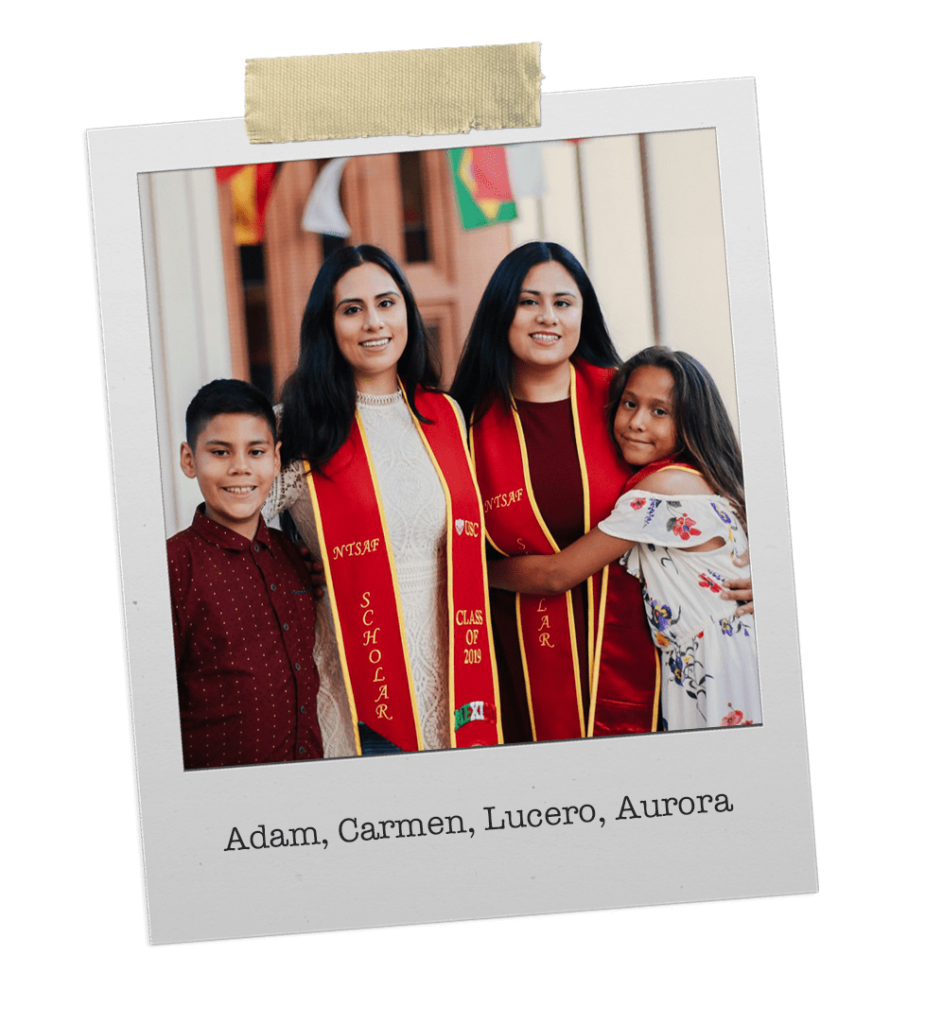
322,211
482,185
489,171
250,193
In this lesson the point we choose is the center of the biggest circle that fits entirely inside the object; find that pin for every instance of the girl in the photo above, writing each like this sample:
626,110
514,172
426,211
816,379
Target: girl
678,525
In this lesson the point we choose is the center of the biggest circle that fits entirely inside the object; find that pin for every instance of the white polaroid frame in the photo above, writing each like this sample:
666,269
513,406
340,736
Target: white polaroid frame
761,844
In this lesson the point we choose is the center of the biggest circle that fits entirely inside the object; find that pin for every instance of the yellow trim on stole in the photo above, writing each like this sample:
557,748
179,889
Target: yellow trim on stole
658,688
586,509
470,448
523,662
595,668
451,660
576,665
520,634
470,455
341,649
451,638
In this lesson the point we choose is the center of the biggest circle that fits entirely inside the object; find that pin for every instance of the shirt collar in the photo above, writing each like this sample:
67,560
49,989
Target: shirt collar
221,536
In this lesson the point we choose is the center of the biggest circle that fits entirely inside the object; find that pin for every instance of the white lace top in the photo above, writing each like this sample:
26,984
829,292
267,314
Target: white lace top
415,515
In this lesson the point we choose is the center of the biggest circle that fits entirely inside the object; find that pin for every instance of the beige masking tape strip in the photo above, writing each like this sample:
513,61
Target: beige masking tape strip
411,92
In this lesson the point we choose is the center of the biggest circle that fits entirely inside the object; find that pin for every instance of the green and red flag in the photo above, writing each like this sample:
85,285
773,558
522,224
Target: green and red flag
482,185
250,192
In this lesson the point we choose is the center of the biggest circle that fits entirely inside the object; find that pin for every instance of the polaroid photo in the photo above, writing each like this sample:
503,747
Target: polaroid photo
615,738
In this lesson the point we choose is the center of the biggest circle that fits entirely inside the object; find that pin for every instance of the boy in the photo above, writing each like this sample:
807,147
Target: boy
243,612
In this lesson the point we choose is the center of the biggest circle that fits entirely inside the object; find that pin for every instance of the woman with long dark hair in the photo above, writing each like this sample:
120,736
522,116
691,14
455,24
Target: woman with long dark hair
533,382
378,483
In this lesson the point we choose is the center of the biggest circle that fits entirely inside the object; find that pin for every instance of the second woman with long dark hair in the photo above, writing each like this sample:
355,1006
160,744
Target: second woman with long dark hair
533,378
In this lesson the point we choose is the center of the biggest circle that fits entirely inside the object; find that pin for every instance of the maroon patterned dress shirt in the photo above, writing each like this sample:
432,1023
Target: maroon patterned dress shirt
244,632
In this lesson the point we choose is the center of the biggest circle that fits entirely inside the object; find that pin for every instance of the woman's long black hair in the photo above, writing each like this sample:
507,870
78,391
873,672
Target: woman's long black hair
487,364
319,399
705,435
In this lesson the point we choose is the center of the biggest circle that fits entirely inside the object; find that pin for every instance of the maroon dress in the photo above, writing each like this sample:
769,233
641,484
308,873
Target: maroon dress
555,473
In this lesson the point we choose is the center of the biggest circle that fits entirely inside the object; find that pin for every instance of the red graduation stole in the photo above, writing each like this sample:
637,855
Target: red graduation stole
623,663
363,587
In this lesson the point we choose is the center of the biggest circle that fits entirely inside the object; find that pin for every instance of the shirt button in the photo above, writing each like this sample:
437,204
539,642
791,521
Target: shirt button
285,625
301,750
302,710
297,666
256,547
272,586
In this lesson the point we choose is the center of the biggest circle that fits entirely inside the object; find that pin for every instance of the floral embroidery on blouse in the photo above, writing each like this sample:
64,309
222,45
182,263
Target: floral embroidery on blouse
684,527
733,625
735,717
660,619
685,665
711,582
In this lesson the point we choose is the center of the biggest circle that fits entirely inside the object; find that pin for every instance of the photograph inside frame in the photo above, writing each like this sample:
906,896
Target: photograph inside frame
449,448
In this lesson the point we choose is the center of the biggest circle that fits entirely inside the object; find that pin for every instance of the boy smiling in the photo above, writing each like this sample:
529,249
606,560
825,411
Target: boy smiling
235,462
243,611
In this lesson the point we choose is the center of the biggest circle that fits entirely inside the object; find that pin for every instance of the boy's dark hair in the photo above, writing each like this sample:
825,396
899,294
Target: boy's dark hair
220,397
486,367
705,435
319,399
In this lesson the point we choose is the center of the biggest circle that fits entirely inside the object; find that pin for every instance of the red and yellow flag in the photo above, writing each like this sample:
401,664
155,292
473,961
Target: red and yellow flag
250,193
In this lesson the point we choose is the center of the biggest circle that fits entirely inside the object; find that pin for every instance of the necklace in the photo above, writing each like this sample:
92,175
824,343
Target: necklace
364,399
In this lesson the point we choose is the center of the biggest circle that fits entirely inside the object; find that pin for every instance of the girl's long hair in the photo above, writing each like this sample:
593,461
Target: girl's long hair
486,367
705,435
319,399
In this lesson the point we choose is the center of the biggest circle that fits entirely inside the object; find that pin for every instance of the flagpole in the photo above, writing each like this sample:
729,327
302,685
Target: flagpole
650,239
581,204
